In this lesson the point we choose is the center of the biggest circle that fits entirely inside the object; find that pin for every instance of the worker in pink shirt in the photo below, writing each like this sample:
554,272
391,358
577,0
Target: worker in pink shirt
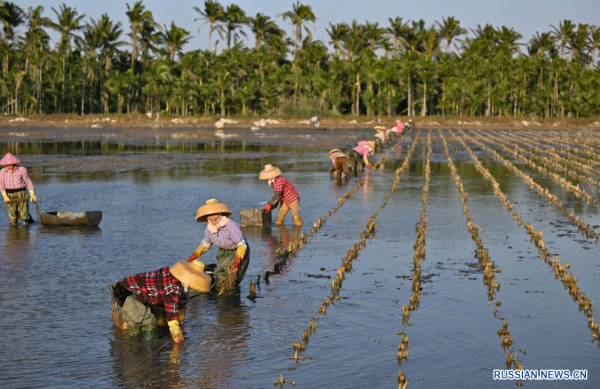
14,182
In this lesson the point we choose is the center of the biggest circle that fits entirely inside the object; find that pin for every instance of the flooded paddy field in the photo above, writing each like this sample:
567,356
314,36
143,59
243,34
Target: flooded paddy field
437,286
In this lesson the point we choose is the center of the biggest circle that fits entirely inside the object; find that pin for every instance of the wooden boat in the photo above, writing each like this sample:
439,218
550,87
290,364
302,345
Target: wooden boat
64,218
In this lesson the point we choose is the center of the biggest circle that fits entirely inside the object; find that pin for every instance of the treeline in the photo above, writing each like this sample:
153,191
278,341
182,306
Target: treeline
98,65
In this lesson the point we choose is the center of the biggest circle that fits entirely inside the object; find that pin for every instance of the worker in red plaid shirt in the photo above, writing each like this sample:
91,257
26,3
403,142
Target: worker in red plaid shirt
285,194
140,295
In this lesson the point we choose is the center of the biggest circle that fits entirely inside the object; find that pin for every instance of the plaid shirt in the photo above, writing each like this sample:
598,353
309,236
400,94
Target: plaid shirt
288,192
156,287
227,237
16,179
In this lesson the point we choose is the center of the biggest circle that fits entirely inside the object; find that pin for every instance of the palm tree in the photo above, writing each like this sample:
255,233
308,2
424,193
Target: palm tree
263,28
375,35
337,33
594,44
563,33
299,16
542,44
233,19
212,14
11,17
450,29
68,22
579,43
138,17
175,38
398,30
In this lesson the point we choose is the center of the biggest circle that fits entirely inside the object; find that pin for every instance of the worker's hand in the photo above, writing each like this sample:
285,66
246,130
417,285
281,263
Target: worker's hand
192,257
32,195
370,166
236,263
175,330
5,197
268,208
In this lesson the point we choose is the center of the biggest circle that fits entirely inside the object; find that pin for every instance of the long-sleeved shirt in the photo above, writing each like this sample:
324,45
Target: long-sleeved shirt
16,179
364,151
227,237
156,287
287,189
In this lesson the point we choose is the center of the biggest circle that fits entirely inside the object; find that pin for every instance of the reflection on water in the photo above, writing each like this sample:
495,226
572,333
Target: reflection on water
55,311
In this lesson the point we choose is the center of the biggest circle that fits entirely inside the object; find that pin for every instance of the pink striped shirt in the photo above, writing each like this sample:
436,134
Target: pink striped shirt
16,179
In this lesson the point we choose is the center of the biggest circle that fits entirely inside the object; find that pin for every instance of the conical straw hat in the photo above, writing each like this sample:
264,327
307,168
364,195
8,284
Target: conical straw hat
269,172
212,207
192,275
9,159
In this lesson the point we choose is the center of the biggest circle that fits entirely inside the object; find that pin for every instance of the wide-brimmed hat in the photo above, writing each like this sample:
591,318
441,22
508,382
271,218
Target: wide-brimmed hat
370,148
212,207
9,159
334,151
269,172
380,128
192,275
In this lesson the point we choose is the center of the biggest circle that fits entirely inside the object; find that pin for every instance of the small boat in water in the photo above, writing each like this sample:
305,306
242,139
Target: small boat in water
65,218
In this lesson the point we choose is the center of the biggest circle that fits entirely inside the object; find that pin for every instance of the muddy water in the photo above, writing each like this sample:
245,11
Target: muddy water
55,307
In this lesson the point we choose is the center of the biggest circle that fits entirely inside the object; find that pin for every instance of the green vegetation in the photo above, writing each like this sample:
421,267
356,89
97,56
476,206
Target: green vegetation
405,68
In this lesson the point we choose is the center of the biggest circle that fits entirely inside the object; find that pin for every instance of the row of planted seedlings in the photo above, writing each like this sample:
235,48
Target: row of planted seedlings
584,228
582,145
345,268
573,161
568,151
561,272
487,266
293,247
575,189
552,161
418,256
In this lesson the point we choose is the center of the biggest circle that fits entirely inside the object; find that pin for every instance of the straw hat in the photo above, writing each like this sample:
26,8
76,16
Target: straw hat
379,128
371,148
269,172
192,275
334,151
212,207
9,159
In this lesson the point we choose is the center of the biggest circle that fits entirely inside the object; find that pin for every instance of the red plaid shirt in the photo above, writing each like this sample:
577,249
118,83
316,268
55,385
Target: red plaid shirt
156,287
16,179
289,194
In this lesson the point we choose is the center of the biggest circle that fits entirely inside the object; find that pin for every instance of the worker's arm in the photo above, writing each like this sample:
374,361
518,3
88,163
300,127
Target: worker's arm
240,252
204,247
275,199
366,159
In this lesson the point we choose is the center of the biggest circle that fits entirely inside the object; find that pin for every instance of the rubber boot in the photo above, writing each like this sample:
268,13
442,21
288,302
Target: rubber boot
279,220
297,220
134,330
150,331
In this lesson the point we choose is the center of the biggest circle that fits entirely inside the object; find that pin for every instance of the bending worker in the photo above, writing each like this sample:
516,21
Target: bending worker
340,163
13,180
234,254
285,194
359,156
140,294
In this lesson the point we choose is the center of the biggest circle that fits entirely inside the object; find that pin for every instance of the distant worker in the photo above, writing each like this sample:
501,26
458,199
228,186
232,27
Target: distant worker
409,125
234,253
315,121
285,195
340,163
380,138
13,182
359,155
397,130
144,296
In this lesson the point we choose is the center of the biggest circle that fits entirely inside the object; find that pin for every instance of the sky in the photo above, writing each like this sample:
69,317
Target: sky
525,16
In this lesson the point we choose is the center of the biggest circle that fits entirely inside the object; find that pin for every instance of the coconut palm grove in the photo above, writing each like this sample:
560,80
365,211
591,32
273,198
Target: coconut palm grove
270,64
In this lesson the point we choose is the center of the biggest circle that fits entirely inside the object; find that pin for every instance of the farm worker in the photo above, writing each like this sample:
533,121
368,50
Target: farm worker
233,256
142,296
285,194
359,156
409,125
340,162
314,121
13,180
380,137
